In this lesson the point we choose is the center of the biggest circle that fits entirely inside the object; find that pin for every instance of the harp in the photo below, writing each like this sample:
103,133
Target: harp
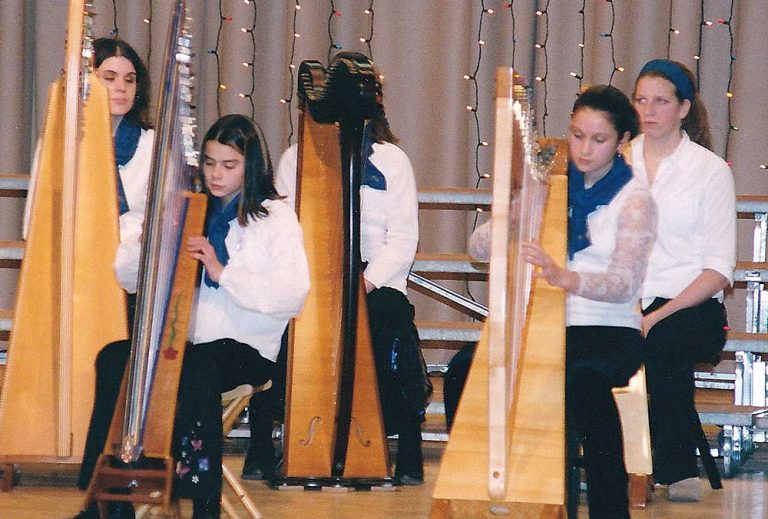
137,463
68,304
334,433
506,453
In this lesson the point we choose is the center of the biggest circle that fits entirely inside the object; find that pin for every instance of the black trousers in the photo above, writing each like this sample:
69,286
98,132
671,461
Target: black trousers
687,337
209,369
599,358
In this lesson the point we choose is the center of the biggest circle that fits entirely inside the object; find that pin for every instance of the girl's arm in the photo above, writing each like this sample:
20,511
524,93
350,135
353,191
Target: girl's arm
621,280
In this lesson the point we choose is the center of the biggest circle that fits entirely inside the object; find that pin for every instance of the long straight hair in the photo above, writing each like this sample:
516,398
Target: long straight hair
244,135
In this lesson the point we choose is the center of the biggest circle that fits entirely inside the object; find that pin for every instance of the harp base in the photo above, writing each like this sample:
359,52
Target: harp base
149,481
334,484
8,476
466,509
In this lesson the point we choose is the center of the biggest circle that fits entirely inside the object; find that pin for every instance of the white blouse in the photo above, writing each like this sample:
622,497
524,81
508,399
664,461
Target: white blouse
695,195
389,226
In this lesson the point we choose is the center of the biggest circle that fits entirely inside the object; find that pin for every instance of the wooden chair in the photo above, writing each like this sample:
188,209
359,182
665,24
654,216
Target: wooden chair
233,402
632,403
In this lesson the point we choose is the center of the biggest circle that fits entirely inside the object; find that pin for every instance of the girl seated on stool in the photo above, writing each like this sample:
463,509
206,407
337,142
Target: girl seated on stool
611,230
255,280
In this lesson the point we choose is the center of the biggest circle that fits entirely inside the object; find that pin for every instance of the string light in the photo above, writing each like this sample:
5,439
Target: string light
671,29
609,35
729,92
215,52
511,7
333,45
476,91
148,21
115,32
251,64
702,24
288,101
367,40
580,74
543,17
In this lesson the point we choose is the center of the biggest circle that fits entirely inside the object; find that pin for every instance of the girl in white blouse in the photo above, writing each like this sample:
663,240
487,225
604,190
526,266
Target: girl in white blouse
255,279
690,265
611,228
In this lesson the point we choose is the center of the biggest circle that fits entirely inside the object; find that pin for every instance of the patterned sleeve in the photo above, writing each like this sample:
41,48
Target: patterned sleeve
635,236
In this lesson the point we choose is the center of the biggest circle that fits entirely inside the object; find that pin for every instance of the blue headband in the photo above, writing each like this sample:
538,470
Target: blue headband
674,73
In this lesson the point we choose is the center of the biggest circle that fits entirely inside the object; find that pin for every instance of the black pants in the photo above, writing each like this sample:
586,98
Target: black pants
599,358
454,380
404,387
674,345
209,370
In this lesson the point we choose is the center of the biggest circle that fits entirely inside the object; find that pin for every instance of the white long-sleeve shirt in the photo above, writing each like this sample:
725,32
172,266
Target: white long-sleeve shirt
389,228
694,191
135,178
612,268
263,285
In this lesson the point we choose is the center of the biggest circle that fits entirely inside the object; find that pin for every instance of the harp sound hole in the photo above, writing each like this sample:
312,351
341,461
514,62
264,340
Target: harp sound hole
496,474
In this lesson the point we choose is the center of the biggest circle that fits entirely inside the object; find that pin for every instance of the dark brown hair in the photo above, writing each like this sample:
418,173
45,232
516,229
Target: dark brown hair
245,136
104,48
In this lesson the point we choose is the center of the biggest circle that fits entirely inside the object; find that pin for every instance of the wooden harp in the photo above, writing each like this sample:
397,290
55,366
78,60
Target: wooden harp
68,303
506,453
137,463
334,433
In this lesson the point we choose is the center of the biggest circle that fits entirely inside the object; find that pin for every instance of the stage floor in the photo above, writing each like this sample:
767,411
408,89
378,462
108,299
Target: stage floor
42,496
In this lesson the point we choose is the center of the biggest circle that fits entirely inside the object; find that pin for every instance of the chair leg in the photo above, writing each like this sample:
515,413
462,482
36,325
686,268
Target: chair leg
706,457
638,490
247,502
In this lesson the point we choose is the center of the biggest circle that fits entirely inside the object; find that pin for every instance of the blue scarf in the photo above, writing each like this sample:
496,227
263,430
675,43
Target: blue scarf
372,176
582,201
126,142
217,229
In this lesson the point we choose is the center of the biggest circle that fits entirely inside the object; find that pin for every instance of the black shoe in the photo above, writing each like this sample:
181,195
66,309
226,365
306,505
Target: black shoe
116,510
206,508
121,510
409,467
410,481
259,465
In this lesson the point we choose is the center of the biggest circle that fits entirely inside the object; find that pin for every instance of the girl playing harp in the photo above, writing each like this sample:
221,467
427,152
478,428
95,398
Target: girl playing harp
255,280
611,229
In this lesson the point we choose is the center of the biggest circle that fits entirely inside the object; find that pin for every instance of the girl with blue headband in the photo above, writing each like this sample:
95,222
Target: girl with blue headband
690,266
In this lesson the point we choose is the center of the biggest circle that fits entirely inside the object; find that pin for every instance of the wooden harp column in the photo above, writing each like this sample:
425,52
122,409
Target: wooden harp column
506,453
334,433
68,303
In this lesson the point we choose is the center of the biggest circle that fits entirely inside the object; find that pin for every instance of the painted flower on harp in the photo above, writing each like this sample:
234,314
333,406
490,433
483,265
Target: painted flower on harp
170,354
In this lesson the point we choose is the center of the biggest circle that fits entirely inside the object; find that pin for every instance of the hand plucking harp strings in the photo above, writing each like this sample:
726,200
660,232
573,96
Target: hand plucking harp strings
200,249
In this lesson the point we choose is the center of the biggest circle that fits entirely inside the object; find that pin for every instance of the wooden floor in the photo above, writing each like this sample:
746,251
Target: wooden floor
744,497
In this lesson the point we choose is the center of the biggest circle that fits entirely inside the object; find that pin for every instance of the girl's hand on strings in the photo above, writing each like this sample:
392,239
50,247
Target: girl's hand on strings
199,248
547,268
